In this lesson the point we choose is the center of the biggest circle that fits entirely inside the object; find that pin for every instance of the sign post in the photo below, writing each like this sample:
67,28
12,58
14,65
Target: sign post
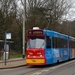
7,36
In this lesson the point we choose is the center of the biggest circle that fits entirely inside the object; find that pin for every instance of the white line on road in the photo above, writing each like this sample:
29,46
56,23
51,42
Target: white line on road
51,68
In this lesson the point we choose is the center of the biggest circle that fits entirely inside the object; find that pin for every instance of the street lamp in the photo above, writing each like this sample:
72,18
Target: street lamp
24,28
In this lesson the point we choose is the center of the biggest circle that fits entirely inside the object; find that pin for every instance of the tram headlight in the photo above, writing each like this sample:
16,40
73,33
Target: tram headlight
41,56
30,53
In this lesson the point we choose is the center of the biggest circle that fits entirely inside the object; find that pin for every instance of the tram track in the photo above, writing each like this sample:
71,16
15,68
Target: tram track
40,70
35,70
51,69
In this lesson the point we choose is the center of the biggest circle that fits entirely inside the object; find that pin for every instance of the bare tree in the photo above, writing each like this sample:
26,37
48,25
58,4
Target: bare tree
12,19
34,17
59,8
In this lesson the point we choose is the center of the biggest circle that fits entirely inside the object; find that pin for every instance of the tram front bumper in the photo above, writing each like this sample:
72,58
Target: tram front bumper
35,61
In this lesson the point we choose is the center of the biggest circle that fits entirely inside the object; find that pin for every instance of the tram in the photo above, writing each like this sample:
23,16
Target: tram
46,47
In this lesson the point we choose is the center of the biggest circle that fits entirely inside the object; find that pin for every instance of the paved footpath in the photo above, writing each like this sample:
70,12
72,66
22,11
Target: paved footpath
12,63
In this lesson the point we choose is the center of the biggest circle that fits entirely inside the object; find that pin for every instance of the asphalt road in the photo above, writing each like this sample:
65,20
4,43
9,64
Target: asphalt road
66,68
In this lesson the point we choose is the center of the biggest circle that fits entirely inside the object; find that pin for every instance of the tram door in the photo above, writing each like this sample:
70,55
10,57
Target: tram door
48,51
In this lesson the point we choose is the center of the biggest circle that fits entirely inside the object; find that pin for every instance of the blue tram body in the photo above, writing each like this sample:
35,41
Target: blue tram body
57,48
60,53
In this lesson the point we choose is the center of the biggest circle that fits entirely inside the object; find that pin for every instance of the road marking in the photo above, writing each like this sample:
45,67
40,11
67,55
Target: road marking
36,73
51,68
45,70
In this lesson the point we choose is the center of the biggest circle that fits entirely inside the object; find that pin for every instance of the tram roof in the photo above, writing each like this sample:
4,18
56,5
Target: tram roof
56,34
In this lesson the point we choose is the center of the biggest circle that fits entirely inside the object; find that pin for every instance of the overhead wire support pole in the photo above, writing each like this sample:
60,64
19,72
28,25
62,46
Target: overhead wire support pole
44,15
5,49
24,16
48,20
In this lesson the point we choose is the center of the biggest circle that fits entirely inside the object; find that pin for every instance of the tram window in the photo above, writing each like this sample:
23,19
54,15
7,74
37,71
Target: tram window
72,44
56,42
64,43
48,42
59,43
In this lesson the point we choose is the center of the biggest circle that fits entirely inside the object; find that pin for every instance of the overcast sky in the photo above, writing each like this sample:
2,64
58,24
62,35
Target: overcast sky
71,13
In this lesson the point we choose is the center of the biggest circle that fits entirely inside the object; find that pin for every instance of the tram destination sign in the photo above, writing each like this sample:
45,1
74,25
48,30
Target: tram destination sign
35,32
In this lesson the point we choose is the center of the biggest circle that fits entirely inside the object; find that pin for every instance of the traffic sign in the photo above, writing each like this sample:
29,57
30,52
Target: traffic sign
8,35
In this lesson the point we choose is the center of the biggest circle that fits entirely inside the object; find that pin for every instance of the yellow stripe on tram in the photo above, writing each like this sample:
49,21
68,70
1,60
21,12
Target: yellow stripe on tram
35,60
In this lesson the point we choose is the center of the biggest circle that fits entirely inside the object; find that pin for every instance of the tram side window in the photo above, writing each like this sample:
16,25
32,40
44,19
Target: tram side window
48,42
59,43
56,42
72,44
64,43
